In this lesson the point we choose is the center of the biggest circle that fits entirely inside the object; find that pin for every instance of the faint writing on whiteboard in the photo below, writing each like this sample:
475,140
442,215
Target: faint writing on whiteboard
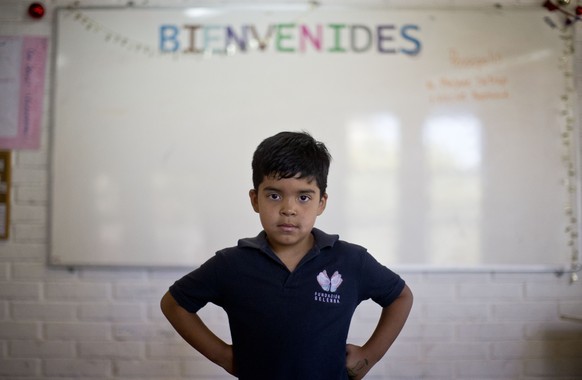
473,85
22,78
454,89
473,61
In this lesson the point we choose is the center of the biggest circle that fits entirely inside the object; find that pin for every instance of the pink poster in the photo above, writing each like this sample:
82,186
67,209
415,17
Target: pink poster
22,79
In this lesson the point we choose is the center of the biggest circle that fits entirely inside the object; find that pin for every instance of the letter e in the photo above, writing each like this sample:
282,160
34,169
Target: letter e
382,38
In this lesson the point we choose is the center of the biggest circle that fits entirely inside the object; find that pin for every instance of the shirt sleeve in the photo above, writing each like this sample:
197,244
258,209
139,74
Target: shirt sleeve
378,282
197,288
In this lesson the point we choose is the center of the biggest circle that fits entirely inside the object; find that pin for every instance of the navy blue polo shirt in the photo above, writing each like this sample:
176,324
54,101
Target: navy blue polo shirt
289,325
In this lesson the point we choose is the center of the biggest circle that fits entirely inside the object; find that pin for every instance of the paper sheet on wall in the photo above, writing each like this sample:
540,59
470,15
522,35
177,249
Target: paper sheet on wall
22,77
5,177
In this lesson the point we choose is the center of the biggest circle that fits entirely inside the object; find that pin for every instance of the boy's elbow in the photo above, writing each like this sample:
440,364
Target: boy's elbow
407,296
167,303
407,292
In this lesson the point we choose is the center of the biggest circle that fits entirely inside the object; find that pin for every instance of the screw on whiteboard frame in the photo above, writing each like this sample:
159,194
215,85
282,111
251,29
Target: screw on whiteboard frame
573,272
576,267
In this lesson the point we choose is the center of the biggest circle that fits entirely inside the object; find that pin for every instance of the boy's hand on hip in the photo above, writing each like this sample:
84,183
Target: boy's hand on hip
357,363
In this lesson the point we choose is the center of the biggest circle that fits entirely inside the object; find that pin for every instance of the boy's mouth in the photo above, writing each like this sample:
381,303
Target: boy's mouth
287,226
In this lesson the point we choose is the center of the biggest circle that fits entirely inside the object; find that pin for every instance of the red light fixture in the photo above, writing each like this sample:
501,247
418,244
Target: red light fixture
36,11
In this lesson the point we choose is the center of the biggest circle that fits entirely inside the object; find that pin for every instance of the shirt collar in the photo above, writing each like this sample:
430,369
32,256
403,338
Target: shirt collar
322,240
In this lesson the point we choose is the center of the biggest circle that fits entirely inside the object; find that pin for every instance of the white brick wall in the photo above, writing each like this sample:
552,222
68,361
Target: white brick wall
106,324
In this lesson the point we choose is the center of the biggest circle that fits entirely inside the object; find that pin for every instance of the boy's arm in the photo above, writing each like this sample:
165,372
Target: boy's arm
360,360
197,334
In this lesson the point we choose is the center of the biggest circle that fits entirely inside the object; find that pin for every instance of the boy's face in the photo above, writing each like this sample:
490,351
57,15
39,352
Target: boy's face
288,208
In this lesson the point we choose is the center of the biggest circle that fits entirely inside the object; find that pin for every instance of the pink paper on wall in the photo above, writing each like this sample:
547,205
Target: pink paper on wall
22,80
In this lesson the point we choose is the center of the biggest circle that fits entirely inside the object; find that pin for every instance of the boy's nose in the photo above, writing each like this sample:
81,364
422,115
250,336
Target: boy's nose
288,210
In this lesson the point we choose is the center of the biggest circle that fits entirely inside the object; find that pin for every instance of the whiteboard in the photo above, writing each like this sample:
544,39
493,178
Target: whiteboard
444,127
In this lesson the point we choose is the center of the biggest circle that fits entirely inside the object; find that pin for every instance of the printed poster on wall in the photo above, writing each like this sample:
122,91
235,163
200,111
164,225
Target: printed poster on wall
22,78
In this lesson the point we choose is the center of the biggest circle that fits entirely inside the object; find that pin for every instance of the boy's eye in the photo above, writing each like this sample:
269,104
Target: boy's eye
274,196
304,198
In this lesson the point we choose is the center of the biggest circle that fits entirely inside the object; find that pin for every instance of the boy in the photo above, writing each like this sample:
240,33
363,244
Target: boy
291,291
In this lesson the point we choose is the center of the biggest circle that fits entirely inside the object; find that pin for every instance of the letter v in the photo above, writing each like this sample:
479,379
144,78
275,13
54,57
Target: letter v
263,42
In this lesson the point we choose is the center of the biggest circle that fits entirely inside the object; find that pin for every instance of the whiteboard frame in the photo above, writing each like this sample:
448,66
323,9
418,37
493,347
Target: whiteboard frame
567,268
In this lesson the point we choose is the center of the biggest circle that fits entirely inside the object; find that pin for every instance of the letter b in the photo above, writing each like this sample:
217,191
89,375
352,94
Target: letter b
169,38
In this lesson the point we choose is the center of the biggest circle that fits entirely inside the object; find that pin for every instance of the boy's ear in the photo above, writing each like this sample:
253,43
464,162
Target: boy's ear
254,196
322,204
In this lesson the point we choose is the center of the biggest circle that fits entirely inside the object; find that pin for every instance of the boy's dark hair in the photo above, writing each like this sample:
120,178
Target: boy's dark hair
288,154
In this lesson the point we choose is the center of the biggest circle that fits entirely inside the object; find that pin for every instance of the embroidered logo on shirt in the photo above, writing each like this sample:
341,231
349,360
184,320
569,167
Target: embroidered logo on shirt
329,285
